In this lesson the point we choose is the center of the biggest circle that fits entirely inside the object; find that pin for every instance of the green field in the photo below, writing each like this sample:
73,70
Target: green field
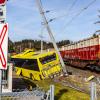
62,92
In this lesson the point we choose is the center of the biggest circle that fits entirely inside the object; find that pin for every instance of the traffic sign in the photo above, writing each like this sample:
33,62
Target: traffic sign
2,13
2,2
3,45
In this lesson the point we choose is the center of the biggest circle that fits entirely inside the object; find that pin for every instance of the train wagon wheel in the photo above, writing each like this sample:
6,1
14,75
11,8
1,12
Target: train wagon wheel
90,67
97,68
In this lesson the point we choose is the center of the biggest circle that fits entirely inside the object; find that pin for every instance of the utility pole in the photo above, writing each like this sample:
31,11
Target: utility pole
41,45
41,37
39,4
30,45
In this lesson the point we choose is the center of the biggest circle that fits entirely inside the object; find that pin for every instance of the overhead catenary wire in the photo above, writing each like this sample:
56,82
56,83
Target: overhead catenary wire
61,16
67,14
81,11
71,7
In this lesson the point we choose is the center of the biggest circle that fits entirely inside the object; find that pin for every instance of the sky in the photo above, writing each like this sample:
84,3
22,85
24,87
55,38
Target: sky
25,20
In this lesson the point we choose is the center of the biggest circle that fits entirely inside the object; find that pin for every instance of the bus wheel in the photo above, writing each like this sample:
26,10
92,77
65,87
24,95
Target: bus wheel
31,77
40,77
21,74
29,87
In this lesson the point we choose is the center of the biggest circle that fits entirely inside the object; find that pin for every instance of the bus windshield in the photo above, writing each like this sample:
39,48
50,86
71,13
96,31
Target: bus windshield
48,58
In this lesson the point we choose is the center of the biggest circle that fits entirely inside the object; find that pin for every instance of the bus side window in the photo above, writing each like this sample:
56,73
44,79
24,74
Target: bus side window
18,62
48,58
31,64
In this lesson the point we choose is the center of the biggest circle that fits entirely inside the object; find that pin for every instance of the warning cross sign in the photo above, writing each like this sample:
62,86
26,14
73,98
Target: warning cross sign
2,2
3,45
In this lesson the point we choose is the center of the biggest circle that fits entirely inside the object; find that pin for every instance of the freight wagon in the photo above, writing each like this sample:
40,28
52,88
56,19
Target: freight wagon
83,54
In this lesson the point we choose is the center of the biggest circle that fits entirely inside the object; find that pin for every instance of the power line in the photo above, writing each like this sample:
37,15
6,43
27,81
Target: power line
61,16
73,4
85,8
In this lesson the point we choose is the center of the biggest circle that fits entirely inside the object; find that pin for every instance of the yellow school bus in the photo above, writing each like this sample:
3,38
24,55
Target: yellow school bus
37,66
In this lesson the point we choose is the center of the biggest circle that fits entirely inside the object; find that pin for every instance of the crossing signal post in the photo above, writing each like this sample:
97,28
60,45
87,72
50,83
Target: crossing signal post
2,2
3,40
2,11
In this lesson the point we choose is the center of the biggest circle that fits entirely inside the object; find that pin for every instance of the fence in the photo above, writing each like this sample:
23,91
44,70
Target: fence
80,84
35,94
25,95
98,89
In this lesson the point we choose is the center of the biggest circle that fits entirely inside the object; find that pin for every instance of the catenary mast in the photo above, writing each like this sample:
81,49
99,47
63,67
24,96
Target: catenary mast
39,4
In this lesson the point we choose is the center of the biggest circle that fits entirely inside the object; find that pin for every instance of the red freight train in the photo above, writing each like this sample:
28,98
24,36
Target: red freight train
84,53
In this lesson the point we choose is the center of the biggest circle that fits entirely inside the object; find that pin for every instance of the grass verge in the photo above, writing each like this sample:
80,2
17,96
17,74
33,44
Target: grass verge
62,92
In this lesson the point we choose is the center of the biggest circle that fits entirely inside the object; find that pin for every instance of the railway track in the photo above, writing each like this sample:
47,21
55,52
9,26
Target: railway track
82,72
78,80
